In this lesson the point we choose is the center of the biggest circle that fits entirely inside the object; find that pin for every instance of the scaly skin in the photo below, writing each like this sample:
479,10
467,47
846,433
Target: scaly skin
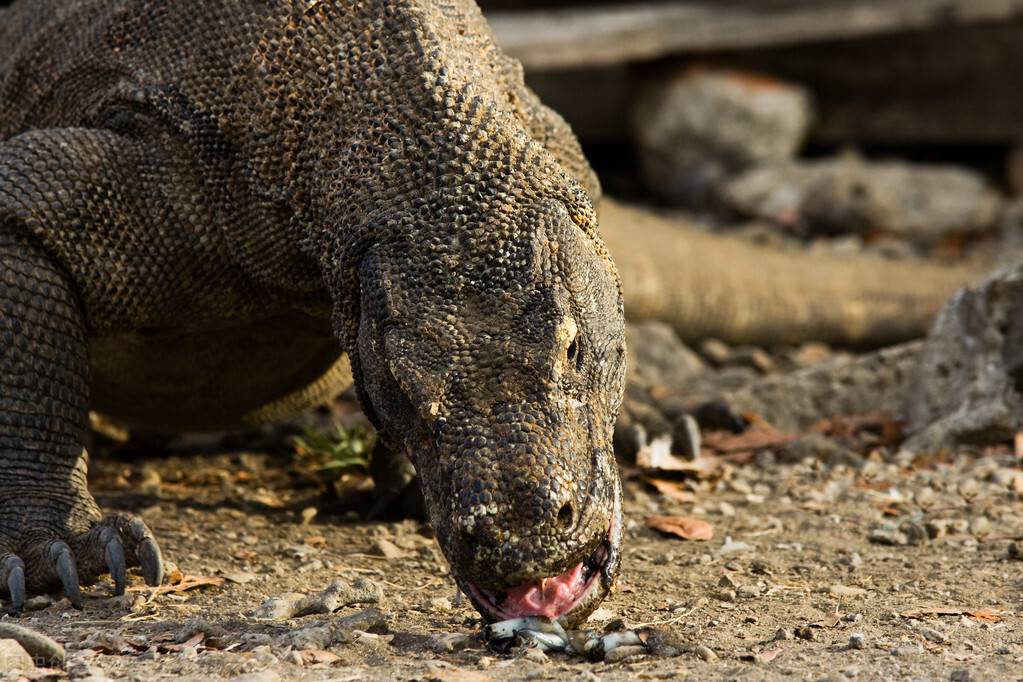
203,213
202,209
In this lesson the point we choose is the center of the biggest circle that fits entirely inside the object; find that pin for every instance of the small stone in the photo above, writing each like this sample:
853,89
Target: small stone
536,656
931,635
716,352
440,604
624,652
150,654
857,640
783,634
907,650
726,595
38,602
806,632
726,509
600,615
747,592
705,652
852,617
853,561
387,549
14,658
961,675
449,642
888,536
727,581
240,577
980,527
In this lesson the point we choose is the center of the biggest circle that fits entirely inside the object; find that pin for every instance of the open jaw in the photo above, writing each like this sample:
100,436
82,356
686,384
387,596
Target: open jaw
567,598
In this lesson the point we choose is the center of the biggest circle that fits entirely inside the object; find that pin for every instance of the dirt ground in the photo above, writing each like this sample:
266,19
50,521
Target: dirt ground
899,569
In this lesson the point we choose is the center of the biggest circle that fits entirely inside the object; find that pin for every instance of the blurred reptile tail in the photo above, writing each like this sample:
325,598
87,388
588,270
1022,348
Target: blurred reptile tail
707,285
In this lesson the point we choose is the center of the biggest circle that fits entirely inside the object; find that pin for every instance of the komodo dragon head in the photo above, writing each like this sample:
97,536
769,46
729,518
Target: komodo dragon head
481,312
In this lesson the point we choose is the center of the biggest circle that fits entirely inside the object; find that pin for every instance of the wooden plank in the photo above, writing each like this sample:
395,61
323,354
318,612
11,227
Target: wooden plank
609,34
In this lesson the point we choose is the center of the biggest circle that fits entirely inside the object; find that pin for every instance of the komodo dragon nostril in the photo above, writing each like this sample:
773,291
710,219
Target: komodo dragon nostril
565,515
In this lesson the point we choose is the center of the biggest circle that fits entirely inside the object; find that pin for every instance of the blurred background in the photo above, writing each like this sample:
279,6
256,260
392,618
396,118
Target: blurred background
775,111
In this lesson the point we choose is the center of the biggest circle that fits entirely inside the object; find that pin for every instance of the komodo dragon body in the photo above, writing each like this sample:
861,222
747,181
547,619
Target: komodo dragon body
204,208
209,212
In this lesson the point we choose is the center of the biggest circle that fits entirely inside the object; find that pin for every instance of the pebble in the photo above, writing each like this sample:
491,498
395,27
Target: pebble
806,632
449,642
1016,550
705,652
387,549
961,675
535,655
907,650
930,634
857,640
783,634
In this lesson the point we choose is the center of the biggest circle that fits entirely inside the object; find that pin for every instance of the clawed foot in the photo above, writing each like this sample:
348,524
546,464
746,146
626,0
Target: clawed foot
109,546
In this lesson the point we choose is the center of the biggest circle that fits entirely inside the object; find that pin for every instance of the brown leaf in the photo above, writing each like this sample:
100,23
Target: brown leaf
187,582
684,527
671,489
829,621
986,615
193,641
758,436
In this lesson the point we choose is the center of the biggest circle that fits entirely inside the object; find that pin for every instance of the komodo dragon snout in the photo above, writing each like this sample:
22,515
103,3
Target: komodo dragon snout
499,370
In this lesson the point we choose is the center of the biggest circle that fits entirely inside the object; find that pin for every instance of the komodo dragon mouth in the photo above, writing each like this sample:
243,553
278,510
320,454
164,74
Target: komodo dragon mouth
568,597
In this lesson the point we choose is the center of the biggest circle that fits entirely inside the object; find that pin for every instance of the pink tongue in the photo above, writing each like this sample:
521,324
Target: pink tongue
554,599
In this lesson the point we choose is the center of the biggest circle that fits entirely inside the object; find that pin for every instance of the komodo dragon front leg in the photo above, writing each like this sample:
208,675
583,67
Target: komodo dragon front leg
52,533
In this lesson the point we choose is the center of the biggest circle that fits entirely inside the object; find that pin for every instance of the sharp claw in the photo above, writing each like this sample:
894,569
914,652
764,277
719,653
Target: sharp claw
61,556
151,561
114,555
148,552
14,572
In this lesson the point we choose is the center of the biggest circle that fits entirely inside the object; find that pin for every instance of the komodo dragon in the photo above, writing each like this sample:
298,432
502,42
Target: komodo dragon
207,210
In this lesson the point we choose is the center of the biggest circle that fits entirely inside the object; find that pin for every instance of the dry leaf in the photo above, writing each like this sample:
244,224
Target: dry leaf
829,621
315,540
193,641
768,656
671,489
187,582
318,656
986,615
684,527
758,436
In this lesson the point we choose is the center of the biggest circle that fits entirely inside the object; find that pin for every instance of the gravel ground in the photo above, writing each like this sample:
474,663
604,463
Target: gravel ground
901,569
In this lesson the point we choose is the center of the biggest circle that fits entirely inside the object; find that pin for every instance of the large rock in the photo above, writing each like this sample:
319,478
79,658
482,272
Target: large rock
847,194
846,386
968,386
701,126
656,356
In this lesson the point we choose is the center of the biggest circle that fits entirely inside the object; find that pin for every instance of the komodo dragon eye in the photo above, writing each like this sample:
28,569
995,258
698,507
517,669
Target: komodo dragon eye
572,352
